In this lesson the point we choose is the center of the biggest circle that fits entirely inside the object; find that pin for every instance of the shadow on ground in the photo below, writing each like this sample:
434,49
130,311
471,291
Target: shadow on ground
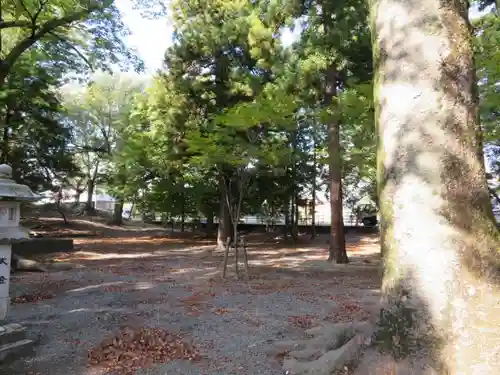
175,284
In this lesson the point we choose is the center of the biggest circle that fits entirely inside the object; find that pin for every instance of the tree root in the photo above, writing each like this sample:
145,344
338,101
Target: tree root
21,264
328,350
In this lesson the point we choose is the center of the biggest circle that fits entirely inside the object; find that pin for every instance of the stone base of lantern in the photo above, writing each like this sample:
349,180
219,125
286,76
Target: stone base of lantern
14,343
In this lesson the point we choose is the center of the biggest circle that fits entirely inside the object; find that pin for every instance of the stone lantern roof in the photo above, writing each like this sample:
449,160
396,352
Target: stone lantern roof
12,191
11,194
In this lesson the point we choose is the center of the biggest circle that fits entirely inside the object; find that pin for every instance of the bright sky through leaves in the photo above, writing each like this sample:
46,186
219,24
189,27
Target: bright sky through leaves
152,37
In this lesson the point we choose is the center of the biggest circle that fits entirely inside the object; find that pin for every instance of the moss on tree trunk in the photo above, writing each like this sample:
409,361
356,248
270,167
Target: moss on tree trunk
438,240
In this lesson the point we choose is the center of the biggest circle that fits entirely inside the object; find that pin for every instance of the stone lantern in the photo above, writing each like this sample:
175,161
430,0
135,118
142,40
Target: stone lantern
11,196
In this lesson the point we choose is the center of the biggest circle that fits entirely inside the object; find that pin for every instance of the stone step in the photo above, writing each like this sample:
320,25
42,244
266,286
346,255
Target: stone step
15,350
10,333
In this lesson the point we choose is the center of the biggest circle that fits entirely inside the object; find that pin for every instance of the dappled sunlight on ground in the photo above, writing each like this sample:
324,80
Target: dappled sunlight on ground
150,240
139,252
96,255
96,222
176,285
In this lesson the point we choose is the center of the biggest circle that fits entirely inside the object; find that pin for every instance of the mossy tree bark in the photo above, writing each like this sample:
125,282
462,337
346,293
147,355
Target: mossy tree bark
439,243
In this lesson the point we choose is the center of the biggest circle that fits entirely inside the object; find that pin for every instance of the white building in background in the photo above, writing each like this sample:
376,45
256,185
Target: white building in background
101,200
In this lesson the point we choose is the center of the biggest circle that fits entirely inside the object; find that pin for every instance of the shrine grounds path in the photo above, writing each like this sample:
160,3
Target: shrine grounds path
139,277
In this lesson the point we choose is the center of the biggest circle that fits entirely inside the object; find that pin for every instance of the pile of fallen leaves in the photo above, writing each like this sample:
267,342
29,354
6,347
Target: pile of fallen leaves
301,321
349,310
28,298
135,348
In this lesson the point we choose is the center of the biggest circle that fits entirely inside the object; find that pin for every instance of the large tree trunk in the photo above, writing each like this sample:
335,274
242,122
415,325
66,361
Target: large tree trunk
314,187
89,205
439,242
224,228
337,250
209,214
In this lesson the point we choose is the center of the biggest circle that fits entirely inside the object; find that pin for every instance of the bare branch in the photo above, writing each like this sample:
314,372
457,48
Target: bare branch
17,23
70,45
45,29
40,9
85,148
27,11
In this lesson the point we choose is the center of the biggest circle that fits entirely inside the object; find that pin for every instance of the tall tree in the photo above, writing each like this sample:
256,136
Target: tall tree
439,242
35,139
336,52
99,115
74,32
217,67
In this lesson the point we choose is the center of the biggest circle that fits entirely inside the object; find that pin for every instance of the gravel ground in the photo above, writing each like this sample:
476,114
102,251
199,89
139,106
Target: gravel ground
233,323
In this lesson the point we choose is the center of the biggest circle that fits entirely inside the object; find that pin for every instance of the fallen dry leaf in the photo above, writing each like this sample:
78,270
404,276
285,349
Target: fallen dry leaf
349,310
27,298
222,310
301,321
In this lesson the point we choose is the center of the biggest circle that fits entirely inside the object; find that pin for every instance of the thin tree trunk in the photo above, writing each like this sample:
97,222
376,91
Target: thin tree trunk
132,209
5,144
273,216
293,218
439,243
224,228
313,203
239,192
235,190
235,241
60,208
337,250
287,219
183,212
293,211
296,199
